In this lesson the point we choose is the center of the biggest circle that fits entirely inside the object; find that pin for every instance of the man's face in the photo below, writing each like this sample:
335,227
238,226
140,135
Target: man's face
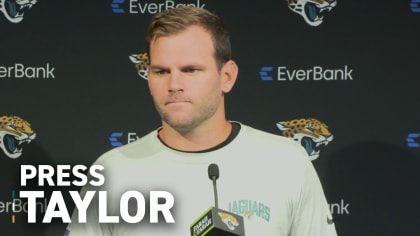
184,79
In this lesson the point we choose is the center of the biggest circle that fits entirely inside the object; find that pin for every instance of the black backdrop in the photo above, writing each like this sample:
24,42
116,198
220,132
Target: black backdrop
92,99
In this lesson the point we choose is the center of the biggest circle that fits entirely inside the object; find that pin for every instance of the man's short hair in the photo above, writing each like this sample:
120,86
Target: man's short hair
176,20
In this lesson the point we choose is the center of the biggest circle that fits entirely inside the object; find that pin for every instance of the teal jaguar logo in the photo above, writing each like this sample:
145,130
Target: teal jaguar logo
312,11
311,133
14,10
15,132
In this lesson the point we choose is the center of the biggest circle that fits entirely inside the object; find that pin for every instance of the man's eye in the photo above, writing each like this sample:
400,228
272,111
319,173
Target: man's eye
160,72
191,70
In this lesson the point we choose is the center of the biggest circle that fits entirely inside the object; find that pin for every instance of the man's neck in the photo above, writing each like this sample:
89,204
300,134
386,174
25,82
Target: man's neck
201,138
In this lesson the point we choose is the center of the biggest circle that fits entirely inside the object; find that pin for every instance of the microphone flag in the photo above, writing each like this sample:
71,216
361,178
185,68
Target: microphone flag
218,222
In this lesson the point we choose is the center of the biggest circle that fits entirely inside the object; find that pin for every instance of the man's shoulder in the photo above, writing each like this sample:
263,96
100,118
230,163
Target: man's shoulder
275,153
267,138
142,147
269,143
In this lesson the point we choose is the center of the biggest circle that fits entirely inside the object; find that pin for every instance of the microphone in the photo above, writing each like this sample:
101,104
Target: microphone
213,171
215,221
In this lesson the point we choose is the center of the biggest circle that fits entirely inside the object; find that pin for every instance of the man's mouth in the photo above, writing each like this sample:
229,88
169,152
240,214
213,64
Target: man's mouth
176,102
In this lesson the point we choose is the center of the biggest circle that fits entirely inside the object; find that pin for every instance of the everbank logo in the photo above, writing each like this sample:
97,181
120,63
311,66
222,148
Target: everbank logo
142,7
413,140
118,139
19,70
315,73
16,205
415,6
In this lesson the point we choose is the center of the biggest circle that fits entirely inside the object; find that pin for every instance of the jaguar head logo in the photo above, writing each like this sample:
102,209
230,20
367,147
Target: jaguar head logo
311,133
15,132
14,10
141,62
312,11
230,221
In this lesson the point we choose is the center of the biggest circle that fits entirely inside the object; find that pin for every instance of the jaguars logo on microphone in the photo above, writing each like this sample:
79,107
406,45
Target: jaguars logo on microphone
230,221
15,132
14,10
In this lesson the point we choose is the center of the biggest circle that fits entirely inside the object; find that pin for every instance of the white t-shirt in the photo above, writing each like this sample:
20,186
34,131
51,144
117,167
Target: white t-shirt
266,178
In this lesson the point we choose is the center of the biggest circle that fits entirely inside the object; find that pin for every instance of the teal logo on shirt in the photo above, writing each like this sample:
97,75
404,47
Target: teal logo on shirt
250,208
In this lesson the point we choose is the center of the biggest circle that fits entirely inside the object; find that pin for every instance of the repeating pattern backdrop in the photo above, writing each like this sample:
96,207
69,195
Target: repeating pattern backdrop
339,77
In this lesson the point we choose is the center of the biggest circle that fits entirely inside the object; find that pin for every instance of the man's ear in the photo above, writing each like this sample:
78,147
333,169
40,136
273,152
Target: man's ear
229,72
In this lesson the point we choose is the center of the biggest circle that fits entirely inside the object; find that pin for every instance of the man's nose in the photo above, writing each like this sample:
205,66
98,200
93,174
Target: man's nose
175,82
